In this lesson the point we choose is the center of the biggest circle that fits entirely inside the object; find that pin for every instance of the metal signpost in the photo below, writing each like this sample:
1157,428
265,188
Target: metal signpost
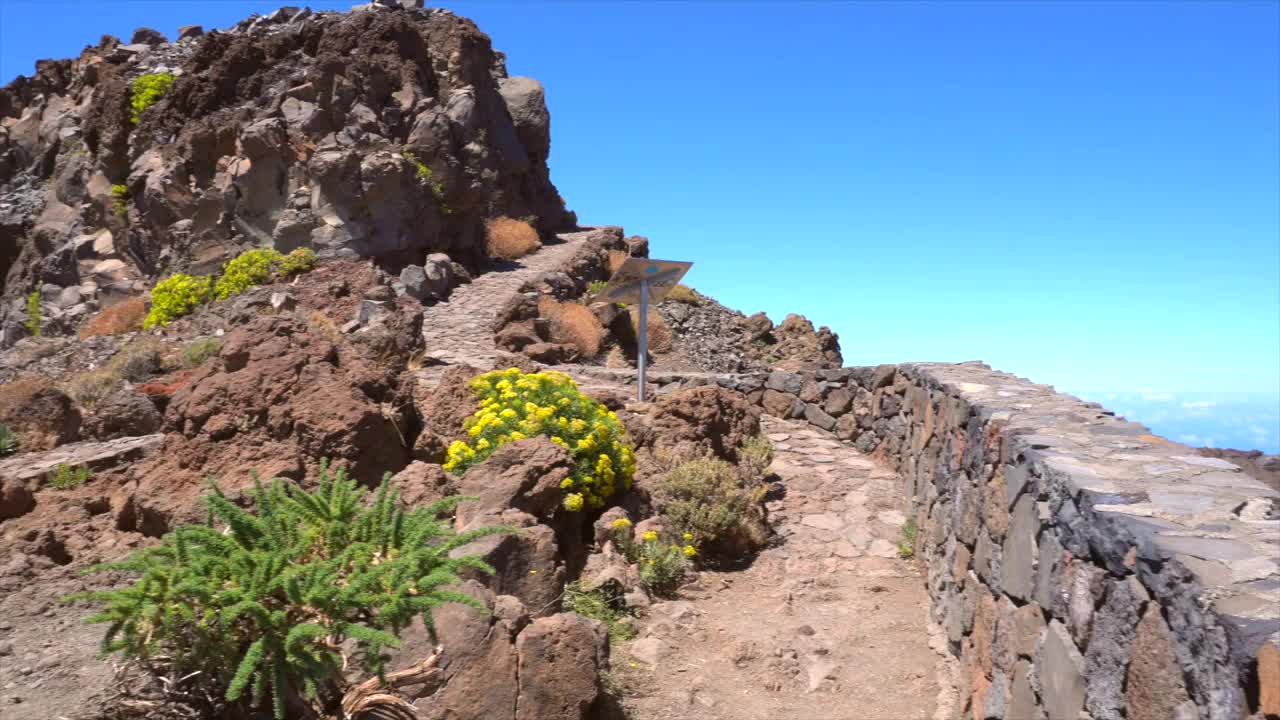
640,280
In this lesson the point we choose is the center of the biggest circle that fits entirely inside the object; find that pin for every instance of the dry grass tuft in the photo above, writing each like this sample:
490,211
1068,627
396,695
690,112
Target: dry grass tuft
125,316
616,258
661,339
684,294
17,393
573,324
509,239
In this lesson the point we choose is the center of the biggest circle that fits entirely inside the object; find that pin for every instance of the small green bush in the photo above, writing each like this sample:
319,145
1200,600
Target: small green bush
704,497
261,603
600,605
120,200
755,455
147,90
33,322
683,294
297,262
199,351
8,441
175,296
248,269
595,287
69,477
907,548
138,361
662,565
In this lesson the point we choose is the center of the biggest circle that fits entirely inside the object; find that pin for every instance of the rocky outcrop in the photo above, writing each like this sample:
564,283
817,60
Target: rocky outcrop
392,132
285,392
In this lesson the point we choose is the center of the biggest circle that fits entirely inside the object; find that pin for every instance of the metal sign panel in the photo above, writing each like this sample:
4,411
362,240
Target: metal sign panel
659,275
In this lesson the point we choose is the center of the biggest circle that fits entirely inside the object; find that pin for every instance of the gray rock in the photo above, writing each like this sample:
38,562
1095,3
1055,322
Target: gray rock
994,707
1018,577
189,32
1108,654
1062,686
816,416
283,301
785,382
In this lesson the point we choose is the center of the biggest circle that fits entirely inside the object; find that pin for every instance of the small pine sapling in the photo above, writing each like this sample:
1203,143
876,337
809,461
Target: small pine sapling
262,601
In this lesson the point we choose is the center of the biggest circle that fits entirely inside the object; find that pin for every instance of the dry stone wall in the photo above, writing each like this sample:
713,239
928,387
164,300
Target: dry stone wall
1080,566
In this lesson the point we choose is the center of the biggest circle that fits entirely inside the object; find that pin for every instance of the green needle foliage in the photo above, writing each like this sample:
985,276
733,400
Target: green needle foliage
264,606
8,441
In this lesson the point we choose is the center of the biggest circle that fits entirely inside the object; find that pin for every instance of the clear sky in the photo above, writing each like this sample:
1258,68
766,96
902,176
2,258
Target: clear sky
1084,193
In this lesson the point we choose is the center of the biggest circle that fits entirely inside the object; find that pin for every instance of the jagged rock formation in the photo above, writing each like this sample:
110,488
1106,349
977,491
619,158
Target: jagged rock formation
389,133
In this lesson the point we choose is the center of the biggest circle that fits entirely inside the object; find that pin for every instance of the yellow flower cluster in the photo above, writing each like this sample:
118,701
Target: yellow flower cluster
515,406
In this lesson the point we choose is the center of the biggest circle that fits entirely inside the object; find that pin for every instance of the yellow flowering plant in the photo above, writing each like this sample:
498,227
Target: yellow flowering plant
516,405
662,565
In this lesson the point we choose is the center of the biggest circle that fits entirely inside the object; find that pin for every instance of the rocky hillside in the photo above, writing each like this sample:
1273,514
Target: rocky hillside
388,132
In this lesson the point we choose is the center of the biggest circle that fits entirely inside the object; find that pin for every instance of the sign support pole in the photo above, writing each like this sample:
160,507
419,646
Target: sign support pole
644,333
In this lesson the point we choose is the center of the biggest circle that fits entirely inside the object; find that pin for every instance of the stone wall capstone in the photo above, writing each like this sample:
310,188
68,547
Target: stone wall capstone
1080,566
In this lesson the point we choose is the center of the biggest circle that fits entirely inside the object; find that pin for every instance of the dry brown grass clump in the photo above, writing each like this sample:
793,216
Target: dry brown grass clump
684,294
125,316
573,324
17,393
616,258
509,239
138,361
661,338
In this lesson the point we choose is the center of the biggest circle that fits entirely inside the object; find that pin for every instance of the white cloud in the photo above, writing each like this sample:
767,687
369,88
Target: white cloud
1110,396
1158,396
1198,404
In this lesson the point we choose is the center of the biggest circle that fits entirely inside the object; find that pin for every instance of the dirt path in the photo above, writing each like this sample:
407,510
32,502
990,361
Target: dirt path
827,625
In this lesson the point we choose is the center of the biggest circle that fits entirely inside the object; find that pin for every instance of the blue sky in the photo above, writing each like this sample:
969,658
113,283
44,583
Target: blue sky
1083,193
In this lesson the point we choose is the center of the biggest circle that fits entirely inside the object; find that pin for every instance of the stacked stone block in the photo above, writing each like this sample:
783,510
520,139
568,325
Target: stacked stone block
1080,566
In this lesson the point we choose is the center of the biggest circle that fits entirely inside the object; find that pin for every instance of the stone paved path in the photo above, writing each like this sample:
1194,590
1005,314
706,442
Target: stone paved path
460,329
828,625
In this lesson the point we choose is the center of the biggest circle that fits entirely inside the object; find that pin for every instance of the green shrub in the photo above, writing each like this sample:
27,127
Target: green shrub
120,200
138,360
755,455
264,607
907,548
175,296
595,287
8,441
199,351
704,497
147,89
69,477
600,605
662,565
32,323
514,406
297,262
248,269
88,389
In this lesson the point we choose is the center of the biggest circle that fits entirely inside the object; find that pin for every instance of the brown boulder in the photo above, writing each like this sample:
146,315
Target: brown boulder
1153,688
16,499
281,397
126,412
423,483
40,415
527,562
560,661
524,475
704,419
442,410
